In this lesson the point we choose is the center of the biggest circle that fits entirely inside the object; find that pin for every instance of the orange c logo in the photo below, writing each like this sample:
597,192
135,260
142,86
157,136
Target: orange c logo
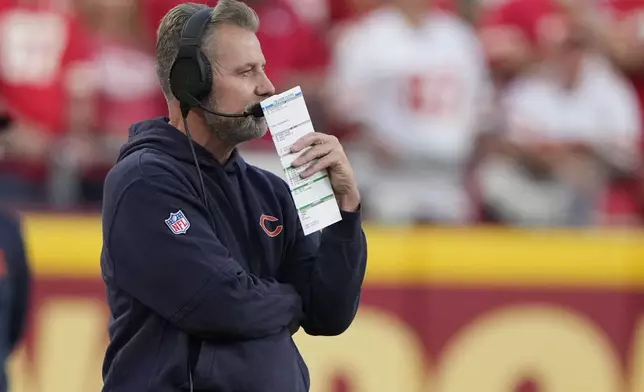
262,222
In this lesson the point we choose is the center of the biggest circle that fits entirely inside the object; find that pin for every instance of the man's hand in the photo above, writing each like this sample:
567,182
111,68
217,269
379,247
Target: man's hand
328,153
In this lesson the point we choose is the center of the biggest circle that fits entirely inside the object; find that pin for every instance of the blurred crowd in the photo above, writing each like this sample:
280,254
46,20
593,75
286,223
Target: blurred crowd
453,112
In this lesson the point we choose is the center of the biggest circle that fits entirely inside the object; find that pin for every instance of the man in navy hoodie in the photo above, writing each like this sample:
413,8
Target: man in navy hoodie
15,279
207,281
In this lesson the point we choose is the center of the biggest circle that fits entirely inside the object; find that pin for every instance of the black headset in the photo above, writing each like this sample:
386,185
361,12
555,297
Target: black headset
191,72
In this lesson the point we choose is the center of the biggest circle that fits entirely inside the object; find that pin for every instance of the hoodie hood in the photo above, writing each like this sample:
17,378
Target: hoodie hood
158,134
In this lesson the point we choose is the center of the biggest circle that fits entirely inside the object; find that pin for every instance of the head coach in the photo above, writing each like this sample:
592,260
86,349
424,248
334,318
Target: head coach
204,291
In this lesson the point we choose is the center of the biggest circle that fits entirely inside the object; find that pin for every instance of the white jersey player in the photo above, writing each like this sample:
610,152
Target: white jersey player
416,85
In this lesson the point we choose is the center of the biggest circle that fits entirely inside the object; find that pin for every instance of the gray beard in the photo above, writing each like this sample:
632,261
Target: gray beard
234,130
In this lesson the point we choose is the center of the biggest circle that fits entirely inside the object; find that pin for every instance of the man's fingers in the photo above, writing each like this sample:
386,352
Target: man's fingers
311,139
314,152
305,141
325,162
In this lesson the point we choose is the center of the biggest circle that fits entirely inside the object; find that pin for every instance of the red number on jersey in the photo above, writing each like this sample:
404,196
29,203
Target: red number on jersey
434,94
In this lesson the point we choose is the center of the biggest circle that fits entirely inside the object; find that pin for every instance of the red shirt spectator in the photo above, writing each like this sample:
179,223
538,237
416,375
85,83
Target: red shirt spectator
291,47
42,60
127,90
517,33
38,49
127,87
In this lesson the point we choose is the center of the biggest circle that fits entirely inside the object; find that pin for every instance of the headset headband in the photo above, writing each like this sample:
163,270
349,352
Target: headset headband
195,28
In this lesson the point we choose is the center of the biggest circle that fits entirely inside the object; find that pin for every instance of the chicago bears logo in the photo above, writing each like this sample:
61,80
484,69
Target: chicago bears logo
263,223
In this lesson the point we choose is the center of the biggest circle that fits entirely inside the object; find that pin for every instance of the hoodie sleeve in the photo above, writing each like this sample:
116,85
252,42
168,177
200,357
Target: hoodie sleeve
18,277
328,270
189,278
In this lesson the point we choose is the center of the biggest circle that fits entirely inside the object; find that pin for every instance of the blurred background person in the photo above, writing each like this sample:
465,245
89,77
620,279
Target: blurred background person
43,63
15,281
614,27
506,33
124,83
413,78
571,125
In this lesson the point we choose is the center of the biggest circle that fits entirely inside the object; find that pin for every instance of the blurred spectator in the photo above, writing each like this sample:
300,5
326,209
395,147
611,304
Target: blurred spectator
414,79
509,37
615,28
125,86
125,79
296,54
43,66
571,123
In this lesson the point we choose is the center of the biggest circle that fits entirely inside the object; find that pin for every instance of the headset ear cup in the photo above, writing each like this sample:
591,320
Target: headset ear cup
177,78
185,79
191,73
206,77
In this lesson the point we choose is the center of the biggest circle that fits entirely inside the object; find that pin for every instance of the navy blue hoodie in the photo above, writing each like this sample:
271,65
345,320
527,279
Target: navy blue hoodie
218,288
15,279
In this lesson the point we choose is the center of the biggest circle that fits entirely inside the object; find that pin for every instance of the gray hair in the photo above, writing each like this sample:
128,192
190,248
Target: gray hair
169,33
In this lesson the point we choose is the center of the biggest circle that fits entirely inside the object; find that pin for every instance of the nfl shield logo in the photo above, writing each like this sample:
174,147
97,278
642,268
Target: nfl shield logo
178,223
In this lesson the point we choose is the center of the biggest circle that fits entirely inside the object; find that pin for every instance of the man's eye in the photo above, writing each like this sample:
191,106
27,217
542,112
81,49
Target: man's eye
246,71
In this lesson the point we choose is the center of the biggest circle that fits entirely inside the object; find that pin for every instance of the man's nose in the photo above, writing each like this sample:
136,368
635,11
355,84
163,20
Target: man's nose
265,88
